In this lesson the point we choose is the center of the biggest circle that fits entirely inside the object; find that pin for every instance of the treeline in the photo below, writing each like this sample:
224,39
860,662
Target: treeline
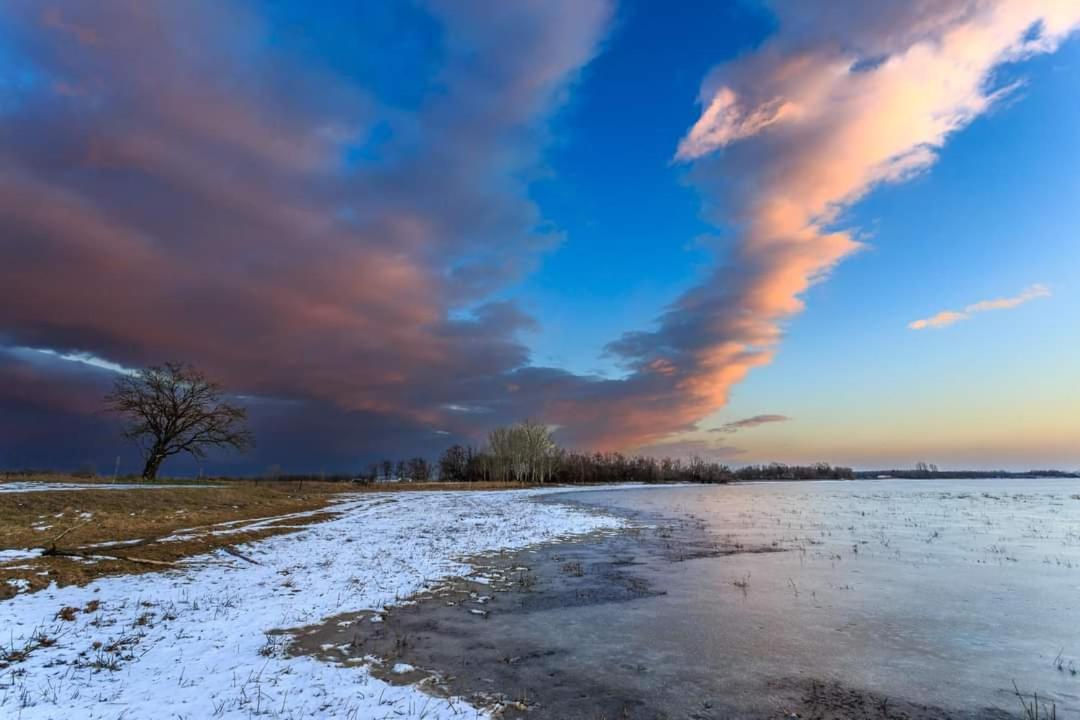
929,474
526,453
415,469
780,471
460,464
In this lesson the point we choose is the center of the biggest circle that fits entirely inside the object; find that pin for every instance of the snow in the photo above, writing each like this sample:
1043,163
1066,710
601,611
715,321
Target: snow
19,554
232,527
35,486
115,543
19,584
194,642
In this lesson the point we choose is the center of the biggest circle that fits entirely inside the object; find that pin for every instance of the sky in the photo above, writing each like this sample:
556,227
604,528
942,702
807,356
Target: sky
785,231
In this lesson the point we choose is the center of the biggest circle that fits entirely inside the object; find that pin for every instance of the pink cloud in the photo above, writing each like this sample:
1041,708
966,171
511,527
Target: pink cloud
948,317
192,202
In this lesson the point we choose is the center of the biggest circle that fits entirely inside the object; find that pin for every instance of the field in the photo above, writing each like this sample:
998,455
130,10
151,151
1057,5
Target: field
193,638
76,535
107,532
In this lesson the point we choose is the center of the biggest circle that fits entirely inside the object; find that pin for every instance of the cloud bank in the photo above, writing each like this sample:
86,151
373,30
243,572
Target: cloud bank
948,317
325,231
184,183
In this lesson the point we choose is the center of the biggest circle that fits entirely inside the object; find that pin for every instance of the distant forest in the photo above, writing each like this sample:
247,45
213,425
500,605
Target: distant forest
928,474
528,454
462,465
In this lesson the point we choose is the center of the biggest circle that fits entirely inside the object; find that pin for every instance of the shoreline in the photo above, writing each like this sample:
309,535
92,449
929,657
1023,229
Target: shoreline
203,630
455,638
486,637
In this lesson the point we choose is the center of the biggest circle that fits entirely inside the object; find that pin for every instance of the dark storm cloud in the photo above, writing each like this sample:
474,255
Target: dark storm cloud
174,185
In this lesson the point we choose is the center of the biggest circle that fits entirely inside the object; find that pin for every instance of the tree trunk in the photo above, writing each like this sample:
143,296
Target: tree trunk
153,462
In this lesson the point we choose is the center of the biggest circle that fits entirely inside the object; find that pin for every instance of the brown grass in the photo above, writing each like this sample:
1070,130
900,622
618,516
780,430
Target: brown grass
147,515
143,515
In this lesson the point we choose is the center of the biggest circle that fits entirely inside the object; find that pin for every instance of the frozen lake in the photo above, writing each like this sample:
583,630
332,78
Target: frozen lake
885,599
937,592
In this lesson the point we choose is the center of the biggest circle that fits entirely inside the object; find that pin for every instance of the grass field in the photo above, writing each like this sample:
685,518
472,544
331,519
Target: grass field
74,536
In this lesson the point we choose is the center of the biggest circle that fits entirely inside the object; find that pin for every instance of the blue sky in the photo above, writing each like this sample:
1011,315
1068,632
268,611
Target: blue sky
630,220
392,226
995,214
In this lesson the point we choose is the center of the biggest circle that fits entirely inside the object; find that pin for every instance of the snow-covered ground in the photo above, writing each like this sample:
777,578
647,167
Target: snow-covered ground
192,643
35,486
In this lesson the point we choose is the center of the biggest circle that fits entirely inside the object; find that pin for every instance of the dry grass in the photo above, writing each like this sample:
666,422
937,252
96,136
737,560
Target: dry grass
87,517
142,517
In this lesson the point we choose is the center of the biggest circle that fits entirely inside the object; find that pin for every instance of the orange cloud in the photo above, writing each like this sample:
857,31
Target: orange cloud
939,320
838,102
948,317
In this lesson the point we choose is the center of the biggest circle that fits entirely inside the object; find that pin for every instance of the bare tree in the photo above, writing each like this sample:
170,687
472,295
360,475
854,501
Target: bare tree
419,469
175,409
524,452
454,464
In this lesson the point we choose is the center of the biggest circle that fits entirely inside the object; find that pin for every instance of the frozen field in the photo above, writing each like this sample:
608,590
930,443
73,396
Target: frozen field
192,643
937,592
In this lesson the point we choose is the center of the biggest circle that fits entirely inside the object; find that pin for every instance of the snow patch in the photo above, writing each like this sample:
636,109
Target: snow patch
19,554
19,584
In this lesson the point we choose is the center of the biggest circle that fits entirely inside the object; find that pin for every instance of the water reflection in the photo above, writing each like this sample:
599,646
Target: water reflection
942,593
